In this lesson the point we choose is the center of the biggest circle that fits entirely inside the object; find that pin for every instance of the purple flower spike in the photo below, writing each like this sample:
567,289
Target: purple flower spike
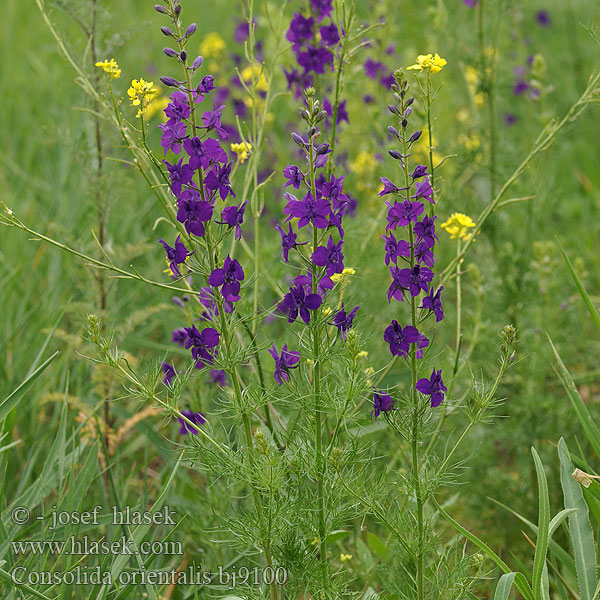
298,302
330,34
283,363
288,241
301,28
229,278
330,257
414,280
381,403
343,321
204,154
195,417
434,387
234,217
170,373
433,302
180,175
202,344
307,211
176,255
400,339
420,171
294,176
322,8
423,189
388,187
172,136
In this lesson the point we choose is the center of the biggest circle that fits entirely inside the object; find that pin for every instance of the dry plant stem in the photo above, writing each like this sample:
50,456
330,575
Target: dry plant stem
542,143
317,391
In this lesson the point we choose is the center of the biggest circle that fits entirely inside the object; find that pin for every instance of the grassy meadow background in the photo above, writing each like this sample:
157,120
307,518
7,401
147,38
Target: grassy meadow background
515,273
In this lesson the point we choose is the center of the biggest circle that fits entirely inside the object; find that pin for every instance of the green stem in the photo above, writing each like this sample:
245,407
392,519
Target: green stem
430,134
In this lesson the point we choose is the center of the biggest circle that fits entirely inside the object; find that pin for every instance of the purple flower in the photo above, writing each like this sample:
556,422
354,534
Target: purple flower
381,403
218,376
202,344
471,3
241,33
402,213
423,254
521,86
422,342
373,68
425,231
212,120
342,113
434,387
234,217
294,176
333,189
203,154
315,59
301,28
176,255
283,363
330,257
178,108
423,189
195,417
180,175
179,336
172,136
414,280
400,339
543,18
229,277
169,371
288,241
218,179
297,301
433,302
394,249
193,212
388,187
420,171
307,211
509,119
330,34
343,320
324,284
322,8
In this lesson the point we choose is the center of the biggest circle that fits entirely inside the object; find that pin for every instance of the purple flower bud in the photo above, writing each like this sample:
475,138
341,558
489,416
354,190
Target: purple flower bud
415,136
298,139
161,9
393,109
395,154
178,9
166,31
183,56
393,131
170,52
190,30
197,62
407,112
410,101
404,123
170,82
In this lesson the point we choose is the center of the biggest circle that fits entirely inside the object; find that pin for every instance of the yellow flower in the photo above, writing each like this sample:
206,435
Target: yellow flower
427,61
458,226
255,72
242,150
363,164
212,45
141,93
345,557
362,354
110,67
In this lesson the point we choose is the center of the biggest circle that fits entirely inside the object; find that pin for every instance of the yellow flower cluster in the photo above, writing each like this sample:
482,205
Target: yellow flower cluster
458,226
242,150
336,277
212,45
434,63
255,72
141,93
363,164
110,67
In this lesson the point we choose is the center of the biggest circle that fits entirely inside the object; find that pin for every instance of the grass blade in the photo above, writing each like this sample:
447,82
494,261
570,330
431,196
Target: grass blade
580,527
541,546
504,586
